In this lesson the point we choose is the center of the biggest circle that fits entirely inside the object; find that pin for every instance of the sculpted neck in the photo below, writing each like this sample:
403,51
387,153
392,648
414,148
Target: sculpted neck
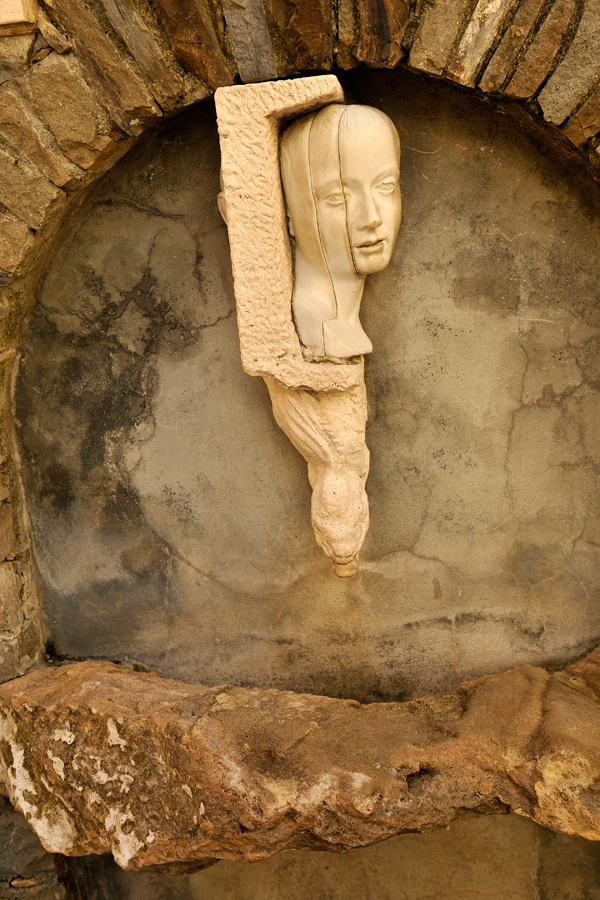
326,310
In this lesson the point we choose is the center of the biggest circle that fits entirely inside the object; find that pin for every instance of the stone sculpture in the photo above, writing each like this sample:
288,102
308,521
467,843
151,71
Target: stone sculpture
340,175
340,172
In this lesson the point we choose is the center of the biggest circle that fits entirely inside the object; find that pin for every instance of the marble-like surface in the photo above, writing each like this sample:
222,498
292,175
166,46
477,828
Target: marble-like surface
171,516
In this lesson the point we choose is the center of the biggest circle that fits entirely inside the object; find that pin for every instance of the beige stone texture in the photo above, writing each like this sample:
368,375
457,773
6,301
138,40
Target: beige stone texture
25,191
248,119
14,12
27,134
578,72
15,240
477,39
538,59
66,105
441,24
508,49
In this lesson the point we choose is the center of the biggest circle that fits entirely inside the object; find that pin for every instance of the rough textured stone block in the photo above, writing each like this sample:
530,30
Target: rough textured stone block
165,84
114,80
159,772
20,127
249,32
477,39
539,57
15,240
305,30
507,51
13,12
578,71
25,191
191,31
586,122
11,616
63,101
381,25
440,26
15,55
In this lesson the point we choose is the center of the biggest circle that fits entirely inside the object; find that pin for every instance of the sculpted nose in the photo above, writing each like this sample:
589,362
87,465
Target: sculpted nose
370,216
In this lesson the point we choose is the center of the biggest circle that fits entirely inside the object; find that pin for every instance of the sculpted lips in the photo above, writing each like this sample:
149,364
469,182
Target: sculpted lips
368,245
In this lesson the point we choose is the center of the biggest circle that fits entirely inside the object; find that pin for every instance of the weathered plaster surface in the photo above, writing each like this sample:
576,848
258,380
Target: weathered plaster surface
170,514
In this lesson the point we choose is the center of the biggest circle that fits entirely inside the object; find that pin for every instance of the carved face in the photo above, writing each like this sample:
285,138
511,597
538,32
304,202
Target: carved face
357,192
354,183
369,165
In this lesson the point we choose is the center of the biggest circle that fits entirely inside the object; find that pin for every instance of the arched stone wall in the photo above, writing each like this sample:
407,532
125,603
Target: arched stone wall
81,81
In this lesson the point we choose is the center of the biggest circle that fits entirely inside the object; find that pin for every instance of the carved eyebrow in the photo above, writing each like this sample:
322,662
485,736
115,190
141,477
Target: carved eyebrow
334,186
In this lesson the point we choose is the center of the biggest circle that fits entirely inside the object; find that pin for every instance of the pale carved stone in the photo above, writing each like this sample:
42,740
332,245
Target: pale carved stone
340,174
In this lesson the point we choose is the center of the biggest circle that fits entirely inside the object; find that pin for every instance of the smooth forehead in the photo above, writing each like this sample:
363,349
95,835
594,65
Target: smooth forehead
369,127
362,136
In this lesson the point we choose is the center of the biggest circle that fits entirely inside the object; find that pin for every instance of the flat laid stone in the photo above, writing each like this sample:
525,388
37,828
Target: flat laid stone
249,32
578,71
64,102
15,55
305,31
164,83
21,128
104,759
114,80
381,27
15,241
538,60
190,29
477,39
506,53
347,26
586,121
52,35
25,191
441,24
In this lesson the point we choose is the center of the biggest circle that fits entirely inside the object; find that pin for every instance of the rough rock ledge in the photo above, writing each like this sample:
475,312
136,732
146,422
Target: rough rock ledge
173,776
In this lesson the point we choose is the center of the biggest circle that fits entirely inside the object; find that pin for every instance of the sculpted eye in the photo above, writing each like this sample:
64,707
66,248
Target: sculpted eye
388,186
336,198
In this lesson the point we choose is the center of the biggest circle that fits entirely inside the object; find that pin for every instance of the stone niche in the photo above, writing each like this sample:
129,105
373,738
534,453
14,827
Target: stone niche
170,516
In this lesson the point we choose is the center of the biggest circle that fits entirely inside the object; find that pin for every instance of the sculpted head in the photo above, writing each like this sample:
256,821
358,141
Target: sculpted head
340,173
